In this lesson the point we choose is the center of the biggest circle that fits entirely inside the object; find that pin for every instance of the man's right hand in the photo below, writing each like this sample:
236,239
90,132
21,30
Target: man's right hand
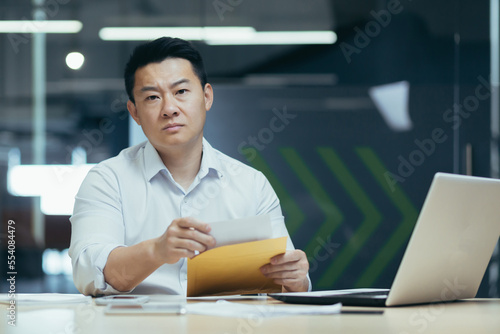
183,238
126,267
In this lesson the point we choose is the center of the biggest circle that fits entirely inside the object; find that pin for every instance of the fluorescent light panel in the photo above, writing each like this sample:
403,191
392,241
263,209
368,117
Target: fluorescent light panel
49,27
279,37
57,185
220,35
189,33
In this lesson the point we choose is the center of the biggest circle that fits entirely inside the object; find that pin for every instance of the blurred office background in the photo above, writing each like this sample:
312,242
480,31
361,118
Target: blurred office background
348,107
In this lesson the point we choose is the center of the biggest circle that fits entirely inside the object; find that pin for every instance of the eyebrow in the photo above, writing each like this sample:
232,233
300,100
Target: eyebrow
149,88
172,85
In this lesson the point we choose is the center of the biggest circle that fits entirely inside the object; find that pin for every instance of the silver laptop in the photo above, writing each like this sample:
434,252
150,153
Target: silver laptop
448,252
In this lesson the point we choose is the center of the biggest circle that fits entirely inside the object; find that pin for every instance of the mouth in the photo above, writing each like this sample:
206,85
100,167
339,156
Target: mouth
172,127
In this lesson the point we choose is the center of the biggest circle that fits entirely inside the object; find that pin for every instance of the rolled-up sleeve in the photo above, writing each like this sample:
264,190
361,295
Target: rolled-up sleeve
97,227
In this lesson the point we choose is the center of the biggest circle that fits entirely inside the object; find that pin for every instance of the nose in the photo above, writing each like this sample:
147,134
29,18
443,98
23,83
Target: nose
170,108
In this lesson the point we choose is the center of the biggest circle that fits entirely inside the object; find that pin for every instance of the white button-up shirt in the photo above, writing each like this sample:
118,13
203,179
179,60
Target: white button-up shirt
133,197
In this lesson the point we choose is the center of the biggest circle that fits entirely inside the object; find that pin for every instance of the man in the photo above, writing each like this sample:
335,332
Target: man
139,215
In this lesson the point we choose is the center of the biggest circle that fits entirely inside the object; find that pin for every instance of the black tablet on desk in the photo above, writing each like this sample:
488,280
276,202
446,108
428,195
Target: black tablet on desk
354,297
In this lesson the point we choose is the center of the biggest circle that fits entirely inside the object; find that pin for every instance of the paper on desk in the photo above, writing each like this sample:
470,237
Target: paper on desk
45,298
235,231
262,296
224,308
233,269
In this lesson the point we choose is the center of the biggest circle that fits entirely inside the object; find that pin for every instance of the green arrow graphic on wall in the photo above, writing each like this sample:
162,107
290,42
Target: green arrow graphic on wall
294,216
402,232
370,222
333,215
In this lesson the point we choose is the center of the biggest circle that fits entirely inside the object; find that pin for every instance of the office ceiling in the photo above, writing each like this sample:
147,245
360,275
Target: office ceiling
102,70
105,59
261,14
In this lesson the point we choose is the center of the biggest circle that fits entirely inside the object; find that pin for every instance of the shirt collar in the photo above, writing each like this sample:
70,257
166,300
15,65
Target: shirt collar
152,161
209,161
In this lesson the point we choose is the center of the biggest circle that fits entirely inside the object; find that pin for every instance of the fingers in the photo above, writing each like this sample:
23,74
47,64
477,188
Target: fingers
188,245
188,233
289,256
289,270
289,261
183,238
189,222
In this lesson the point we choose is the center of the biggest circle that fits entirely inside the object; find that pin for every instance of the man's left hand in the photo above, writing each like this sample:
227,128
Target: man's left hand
289,270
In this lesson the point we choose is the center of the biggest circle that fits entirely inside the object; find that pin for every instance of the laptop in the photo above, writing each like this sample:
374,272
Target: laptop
448,252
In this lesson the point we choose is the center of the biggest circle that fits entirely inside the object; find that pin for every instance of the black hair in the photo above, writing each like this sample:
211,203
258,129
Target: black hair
157,51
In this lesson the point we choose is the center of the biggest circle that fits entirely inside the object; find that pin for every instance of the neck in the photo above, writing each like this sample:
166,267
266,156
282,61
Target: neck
183,163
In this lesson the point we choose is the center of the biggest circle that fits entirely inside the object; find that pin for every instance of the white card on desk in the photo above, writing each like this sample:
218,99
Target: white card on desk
236,231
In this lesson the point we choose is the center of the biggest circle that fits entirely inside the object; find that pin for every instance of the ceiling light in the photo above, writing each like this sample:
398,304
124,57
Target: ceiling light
220,35
75,60
188,33
279,37
50,27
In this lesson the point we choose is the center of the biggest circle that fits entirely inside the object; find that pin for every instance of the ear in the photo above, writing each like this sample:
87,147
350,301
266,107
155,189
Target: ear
133,111
209,96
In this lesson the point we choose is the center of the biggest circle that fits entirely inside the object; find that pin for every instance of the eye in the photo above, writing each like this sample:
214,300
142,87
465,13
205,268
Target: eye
182,91
151,98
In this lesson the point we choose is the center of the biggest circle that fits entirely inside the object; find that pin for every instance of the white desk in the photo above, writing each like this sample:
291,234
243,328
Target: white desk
472,316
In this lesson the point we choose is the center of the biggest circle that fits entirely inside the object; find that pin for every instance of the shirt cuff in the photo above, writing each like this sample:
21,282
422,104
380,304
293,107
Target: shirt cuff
100,284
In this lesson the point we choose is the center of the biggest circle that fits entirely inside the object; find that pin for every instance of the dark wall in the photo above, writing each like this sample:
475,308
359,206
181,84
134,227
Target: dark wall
350,186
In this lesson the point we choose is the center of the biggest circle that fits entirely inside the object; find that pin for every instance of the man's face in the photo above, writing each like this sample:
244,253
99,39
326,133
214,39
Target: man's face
170,104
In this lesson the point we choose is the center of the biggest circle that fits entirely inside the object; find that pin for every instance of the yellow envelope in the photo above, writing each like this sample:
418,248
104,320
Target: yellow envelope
234,269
